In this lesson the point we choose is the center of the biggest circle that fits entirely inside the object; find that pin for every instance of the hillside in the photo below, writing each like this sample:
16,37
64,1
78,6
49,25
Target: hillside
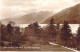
29,18
72,15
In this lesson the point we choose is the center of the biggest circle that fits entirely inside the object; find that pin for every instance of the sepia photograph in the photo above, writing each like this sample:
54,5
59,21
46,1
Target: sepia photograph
40,25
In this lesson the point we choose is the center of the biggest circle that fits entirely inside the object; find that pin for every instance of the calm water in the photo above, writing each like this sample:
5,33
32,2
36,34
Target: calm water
74,27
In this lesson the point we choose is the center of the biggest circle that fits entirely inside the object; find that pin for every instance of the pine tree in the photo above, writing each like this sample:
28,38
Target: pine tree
58,26
52,21
78,35
51,32
58,30
36,28
9,28
66,32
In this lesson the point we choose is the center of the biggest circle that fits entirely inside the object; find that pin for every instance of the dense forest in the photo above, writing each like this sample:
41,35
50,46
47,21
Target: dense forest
59,34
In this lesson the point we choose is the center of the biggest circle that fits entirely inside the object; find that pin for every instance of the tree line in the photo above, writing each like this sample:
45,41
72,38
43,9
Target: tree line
60,34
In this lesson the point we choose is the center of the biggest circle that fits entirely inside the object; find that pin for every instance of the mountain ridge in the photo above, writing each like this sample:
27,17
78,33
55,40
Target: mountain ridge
29,18
72,15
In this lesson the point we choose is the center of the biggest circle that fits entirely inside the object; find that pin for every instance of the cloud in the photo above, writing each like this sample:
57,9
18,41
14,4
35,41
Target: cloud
18,2
10,8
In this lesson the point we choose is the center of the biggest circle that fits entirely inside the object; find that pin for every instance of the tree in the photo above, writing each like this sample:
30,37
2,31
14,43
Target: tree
36,28
16,35
66,33
52,21
78,35
51,31
58,30
11,23
58,26
3,32
9,28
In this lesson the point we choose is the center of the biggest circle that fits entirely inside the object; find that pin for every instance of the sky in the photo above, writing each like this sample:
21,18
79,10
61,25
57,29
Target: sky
11,8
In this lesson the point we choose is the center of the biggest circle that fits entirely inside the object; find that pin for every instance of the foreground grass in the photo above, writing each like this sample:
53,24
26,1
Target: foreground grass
36,47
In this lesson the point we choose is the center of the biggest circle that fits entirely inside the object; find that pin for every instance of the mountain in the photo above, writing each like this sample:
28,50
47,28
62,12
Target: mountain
29,18
72,15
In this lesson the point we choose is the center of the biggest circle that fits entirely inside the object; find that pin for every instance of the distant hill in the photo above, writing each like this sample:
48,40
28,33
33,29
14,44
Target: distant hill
72,15
29,18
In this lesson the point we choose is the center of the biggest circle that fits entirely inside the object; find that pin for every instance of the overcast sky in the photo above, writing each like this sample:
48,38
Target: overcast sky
10,8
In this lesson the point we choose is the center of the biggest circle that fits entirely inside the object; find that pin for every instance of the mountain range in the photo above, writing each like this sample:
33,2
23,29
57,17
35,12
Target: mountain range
29,18
71,14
